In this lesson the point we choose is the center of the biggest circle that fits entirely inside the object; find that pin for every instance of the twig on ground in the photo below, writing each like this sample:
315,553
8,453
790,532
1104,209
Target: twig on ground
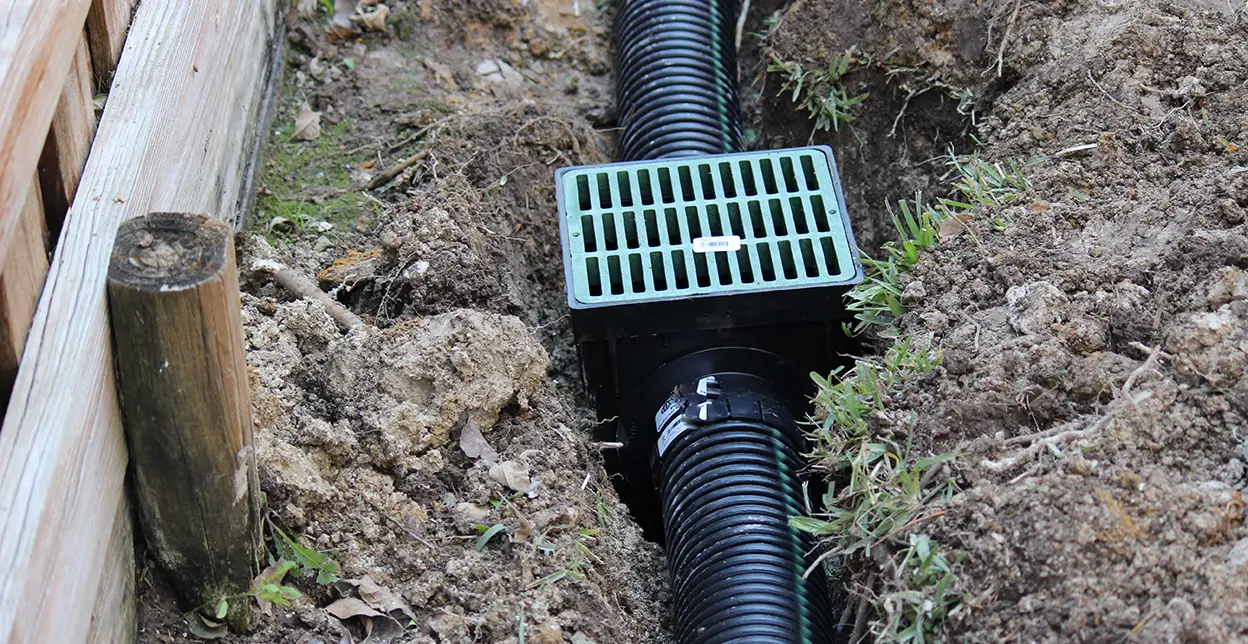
862,618
389,175
421,132
909,524
301,286
1047,442
606,445
1005,39
745,10
1150,364
398,524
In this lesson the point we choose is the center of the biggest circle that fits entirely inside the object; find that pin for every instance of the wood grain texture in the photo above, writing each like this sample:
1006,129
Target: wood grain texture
107,24
182,382
21,281
37,41
69,139
168,141
114,617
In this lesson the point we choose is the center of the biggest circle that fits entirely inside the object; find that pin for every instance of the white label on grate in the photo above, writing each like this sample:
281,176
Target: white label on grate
726,243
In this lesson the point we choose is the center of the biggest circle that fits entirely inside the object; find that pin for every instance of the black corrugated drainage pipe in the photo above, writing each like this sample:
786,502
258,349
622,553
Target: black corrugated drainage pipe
729,452
677,89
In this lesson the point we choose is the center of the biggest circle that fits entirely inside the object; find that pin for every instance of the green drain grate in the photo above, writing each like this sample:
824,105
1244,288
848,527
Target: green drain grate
721,225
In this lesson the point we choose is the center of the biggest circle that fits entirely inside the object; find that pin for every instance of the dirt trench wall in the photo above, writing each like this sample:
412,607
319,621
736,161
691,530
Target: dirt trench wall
1108,306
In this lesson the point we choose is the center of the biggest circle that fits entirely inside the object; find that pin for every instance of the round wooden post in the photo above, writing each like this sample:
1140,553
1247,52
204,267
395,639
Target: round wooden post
182,386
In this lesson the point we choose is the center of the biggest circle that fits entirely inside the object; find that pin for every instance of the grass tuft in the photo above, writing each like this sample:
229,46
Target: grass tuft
876,302
822,92
881,489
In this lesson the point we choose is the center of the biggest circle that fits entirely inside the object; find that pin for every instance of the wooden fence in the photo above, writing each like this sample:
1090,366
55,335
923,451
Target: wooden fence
185,87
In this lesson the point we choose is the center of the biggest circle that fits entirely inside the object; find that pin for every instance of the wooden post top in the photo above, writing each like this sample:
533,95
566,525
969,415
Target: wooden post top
168,252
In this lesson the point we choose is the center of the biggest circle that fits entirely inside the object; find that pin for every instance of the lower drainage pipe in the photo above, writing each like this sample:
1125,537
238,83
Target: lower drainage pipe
726,465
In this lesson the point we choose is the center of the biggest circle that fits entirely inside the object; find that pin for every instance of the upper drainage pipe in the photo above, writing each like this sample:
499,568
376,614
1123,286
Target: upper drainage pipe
677,89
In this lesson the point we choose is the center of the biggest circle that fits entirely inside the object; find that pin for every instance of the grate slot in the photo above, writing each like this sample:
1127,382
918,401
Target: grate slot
768,171
659,269
671,226
787,263
809,262
823,219
745,266
650,220
680,270
639,277
710,188
589,237
779,220
767,257
631,239
665,185
808,173
790,177
610,240
605,190
728,179
645,186
595,276
745,171
735,223
684,176
801,218
714,221
693,225
582,191
624,188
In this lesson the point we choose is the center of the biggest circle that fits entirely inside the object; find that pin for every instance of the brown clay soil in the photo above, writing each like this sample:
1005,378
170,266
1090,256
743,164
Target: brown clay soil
1095,376
1112,313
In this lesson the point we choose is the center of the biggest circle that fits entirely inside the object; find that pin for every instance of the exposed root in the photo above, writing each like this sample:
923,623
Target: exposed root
389,175
301,286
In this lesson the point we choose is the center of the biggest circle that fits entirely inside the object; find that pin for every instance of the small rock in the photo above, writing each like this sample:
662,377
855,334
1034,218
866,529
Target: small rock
1238,558
914,291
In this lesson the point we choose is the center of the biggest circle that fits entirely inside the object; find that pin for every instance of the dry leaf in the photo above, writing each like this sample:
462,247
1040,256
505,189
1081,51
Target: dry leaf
953,226
349,607
374,20
475,445
472,511
380,629
307,9
274,574
514,475
342,28
383,599
204,628
523,532
307,124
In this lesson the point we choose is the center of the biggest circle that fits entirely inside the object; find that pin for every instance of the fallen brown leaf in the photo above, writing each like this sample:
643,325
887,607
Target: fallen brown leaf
342,28
953,226
374,20
349,607
204,628
383,599
307,124
513,474
475,445
274,574
307,9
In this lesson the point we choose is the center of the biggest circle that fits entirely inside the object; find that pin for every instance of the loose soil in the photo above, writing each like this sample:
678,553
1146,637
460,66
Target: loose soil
1112,310
1132,243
